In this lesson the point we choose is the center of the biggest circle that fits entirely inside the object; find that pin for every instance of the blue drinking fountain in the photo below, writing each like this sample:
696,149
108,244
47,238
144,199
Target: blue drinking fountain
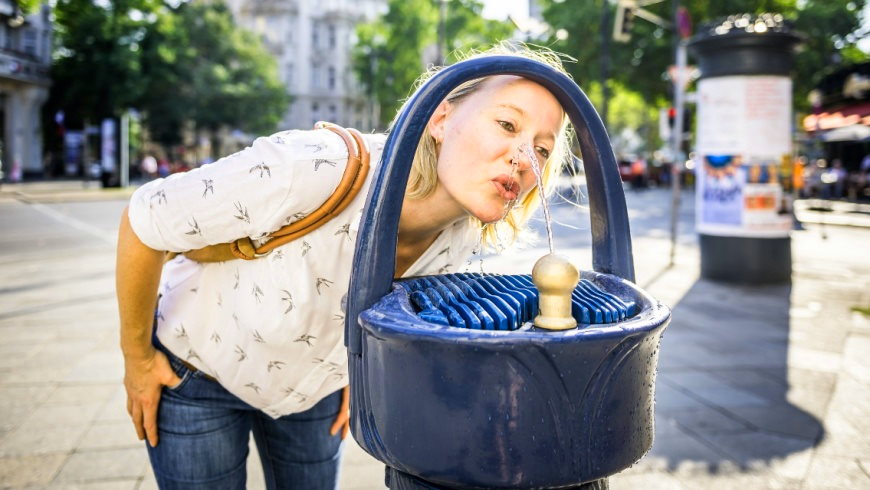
451,384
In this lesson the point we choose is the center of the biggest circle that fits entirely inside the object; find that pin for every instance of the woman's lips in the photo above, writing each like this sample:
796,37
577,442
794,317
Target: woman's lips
506,187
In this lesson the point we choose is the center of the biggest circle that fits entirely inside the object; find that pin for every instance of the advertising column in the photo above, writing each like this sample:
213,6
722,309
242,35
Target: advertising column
743,141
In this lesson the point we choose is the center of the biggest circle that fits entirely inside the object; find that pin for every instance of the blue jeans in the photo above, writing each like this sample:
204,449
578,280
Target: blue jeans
204,432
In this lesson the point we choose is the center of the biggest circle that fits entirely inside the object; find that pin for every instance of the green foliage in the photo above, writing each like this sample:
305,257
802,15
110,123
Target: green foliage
96,69
388,56
198,67
640,65
29,6
177,64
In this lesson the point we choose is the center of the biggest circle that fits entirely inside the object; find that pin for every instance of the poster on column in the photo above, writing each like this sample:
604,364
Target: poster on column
744,132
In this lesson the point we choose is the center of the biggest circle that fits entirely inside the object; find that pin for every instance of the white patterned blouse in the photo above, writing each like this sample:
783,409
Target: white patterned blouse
270,330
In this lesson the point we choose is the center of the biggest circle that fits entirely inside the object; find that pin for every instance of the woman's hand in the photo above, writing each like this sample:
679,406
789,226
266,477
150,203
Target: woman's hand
143,379
342,420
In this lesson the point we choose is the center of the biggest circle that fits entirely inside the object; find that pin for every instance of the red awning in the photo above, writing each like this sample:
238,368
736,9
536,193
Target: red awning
846,116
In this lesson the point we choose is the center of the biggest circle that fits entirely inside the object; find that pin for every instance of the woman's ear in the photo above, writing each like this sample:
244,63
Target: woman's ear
436,122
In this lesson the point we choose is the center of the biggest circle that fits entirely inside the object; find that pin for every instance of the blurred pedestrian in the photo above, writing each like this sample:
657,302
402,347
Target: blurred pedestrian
257,345
163,167
149,166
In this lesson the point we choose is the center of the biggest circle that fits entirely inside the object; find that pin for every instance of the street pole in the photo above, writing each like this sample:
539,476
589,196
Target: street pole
677,143
125,150
604,73
682,30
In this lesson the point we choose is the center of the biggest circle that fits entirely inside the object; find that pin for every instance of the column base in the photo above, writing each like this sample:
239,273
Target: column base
746,260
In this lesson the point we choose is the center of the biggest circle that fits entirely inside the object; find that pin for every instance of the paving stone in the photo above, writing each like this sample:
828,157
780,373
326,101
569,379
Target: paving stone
817,360
668,399
256,479
85,466
848,445
755,449
108,435
792,467
857,358
809,400
784,419
754,480
43,375
62,415
12,417
115,484
13,355
33,439
728,397
673,451
29,470
147,481
98,368
706,419
359,471
80,395
829,472
646,481
12,396
115,409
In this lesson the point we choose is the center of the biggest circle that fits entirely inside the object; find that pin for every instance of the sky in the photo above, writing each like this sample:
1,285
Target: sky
500,9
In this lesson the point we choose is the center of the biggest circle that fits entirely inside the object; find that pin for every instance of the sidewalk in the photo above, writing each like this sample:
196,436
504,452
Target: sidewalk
53,191
829,212
758,387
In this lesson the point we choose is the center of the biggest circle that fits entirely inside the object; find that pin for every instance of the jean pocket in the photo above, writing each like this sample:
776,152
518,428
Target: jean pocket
181,371
184,379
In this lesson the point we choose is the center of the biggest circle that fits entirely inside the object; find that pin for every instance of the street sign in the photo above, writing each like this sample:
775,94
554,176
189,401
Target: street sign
624,20
684,23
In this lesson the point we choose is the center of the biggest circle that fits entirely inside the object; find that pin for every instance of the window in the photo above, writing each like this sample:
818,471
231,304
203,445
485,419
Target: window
331,78
288,74
332,113
28,42
315,77
315,35
331,35
315,113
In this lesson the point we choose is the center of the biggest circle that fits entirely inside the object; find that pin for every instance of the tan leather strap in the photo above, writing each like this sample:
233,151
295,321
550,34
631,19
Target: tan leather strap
347,190
358,164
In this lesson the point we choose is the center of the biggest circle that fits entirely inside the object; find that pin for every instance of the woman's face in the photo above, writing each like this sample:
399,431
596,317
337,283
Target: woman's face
483,134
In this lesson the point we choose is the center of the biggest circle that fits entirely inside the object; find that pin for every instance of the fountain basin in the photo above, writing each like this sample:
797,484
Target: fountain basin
527,408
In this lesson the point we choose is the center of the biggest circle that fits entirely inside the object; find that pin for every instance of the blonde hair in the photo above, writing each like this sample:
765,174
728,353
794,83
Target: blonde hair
423,178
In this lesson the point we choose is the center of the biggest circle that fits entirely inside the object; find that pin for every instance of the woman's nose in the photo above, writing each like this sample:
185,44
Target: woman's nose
523,157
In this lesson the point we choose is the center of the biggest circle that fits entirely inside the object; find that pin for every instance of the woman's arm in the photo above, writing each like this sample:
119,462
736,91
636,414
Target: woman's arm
147,370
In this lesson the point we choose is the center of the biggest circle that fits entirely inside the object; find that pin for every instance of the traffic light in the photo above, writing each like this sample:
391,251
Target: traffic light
624,20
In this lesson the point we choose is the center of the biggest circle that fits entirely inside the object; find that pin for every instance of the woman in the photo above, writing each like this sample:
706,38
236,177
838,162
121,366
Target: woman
256,346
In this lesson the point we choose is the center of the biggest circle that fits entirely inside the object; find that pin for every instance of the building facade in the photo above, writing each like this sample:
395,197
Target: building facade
25,58
312,41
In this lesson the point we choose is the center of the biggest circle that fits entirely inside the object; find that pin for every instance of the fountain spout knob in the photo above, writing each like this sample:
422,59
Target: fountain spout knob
555,277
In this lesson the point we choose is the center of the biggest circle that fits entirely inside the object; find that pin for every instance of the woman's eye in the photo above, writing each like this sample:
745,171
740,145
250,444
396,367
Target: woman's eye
507,126
544,152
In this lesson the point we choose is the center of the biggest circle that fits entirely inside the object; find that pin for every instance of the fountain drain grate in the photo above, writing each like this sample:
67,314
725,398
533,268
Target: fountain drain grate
503,302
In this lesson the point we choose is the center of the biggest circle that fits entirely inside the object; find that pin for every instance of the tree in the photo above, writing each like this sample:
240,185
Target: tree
200,68
96,63
176,62
829,27
639,66
388,56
